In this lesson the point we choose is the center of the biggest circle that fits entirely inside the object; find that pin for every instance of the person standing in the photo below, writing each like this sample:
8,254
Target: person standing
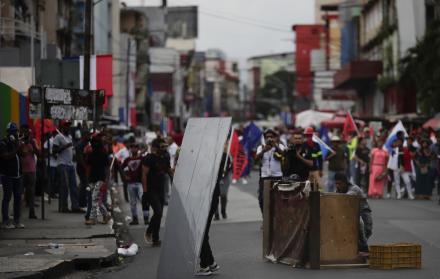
298,157
362,156
63,148
172,150
28,151
378,171
316,169
155,166
270,155
132,168
338,162
225,180
10,174
81,168
435,149
425,176
52,165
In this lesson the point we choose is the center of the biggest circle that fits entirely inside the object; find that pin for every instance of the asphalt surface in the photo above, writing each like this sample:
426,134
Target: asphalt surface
237,242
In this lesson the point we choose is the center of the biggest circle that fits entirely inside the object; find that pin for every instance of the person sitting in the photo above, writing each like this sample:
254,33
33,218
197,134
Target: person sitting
365,221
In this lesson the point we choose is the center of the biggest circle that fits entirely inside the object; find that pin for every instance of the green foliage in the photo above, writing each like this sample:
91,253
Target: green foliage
420,69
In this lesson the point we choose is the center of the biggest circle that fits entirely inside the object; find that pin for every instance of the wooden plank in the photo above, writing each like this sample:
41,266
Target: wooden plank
267,213
339,222
314,230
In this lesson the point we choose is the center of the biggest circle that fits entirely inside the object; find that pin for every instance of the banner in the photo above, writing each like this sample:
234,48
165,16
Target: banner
239,157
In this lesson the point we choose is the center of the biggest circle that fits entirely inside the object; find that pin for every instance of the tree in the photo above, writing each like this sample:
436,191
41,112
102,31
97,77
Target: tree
276,93
420,69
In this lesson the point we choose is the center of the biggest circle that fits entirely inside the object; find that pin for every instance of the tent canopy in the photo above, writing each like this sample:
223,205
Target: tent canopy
311,118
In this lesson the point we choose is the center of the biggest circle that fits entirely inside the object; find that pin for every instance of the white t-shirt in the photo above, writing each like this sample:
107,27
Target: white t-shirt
65,157
270,167
172,150
393,161
53,160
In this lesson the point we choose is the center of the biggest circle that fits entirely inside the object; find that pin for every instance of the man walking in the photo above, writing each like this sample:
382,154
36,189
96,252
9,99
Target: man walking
63,148
155,166
10,174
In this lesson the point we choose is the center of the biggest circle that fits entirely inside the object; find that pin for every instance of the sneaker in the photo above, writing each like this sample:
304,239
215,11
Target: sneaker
388,196
90,222
148,238
214,267
204,271
18,225
244,181
224,215
216,217
8,226
134,222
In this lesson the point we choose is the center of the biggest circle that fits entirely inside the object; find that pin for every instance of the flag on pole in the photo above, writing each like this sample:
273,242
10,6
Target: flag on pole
325,149
349,126
239,158
251,136
393,135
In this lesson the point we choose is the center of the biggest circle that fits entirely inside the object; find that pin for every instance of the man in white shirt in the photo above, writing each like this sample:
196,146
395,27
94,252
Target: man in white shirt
63,148
270,155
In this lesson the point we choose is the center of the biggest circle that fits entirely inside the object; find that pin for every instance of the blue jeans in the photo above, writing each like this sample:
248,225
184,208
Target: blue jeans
330,187
67,182
53,180
135,193
11,186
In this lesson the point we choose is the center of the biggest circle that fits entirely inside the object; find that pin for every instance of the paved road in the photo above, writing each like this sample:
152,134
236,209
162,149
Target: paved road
237,242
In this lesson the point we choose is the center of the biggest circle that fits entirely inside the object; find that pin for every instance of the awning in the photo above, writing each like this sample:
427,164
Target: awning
339,95
357,73
433,123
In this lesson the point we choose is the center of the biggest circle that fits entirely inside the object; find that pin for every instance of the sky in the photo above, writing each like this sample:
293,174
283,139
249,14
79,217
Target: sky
245,28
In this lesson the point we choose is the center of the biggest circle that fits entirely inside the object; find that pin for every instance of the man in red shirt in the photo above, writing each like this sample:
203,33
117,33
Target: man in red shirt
132,169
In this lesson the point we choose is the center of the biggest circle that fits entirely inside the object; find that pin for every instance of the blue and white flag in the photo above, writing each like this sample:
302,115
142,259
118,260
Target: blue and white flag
325,149
393,136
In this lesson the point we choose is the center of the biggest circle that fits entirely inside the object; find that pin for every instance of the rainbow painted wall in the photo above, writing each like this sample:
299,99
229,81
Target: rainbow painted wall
13,107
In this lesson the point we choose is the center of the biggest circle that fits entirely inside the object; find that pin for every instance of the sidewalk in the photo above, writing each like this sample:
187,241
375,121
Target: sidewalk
27,253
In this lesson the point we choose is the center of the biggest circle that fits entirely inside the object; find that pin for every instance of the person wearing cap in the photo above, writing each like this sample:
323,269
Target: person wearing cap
270,155
63,148
155,166
337,162
315,149
10,174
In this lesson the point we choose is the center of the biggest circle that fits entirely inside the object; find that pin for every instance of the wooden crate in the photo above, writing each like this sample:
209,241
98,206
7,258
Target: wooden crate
396,255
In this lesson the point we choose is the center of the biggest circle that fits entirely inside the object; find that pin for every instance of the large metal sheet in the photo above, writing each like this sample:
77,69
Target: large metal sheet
193,186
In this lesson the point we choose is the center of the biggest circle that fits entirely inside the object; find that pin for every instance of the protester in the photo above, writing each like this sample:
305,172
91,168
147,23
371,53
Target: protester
365,221
224,180
435,149
11,176
316,169
63,148
28,151
298,157
378,171
338,162
207,261
270,156
52,164
425,177
81,167
132,168
155,166
362,157
98,177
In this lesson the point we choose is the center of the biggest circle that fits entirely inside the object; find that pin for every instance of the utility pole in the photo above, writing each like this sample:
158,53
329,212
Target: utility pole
127,100
87,48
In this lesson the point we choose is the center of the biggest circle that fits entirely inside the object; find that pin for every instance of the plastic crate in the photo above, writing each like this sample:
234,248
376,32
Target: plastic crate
397,255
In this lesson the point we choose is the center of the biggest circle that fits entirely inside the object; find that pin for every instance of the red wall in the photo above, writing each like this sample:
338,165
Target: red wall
308,37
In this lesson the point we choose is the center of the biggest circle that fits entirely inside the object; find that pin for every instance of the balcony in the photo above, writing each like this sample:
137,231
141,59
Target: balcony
355,74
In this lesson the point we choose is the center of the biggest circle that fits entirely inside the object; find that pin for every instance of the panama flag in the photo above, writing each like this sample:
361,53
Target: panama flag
325,149
393,135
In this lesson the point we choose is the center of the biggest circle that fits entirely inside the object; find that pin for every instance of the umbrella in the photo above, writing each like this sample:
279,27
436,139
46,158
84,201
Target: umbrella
433,123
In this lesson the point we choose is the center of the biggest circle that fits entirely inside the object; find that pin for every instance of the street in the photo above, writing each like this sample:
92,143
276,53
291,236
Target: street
237,242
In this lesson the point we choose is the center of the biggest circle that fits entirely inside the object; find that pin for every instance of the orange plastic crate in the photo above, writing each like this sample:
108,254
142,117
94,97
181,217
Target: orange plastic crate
396,255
